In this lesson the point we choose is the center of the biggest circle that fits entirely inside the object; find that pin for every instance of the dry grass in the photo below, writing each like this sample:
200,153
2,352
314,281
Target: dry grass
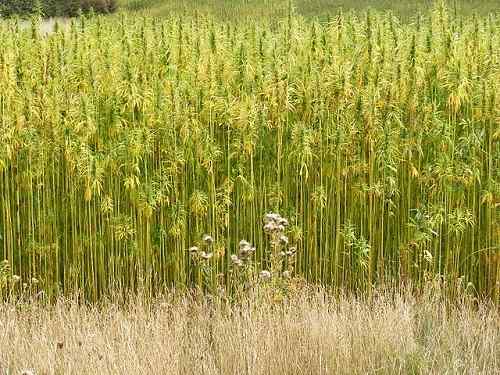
313,335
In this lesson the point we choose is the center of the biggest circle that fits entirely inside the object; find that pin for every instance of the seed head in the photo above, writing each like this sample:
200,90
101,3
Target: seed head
271,217
269,227
208,239
245,249
291,251
283,222
286,274
193,249
274,224
284,240
244,243
267,218
206,255
265,275
16,278
236,261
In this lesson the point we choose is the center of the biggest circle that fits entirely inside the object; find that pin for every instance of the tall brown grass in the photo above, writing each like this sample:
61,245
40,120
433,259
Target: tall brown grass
311,333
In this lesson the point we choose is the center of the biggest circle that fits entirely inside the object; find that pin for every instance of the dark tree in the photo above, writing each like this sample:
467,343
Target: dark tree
51,8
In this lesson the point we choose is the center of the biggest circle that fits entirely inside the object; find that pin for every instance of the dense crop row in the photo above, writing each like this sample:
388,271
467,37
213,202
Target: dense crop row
123,140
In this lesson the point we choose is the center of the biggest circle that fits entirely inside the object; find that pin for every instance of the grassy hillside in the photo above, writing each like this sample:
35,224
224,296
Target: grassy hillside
235,9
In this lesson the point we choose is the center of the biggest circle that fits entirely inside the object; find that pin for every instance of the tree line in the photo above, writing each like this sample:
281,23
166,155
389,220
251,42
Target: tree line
54,8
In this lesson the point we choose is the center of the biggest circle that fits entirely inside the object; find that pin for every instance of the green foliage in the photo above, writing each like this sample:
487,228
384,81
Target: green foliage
11,7
51,8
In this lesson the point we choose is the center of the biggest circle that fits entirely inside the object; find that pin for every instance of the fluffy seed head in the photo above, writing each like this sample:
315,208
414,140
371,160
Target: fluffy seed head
283,222
265,275
236,261
206,255
208,239
284,240
244,243
271,217
245,249
269,227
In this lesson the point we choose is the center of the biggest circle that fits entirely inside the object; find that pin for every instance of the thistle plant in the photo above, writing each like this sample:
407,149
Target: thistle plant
242,278
281,257
202,261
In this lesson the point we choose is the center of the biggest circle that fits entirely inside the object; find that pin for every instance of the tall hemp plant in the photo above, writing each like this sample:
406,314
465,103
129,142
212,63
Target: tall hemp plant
123,140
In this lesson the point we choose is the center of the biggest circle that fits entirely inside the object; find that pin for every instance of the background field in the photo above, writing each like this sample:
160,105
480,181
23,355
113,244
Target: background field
54,8
319,9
